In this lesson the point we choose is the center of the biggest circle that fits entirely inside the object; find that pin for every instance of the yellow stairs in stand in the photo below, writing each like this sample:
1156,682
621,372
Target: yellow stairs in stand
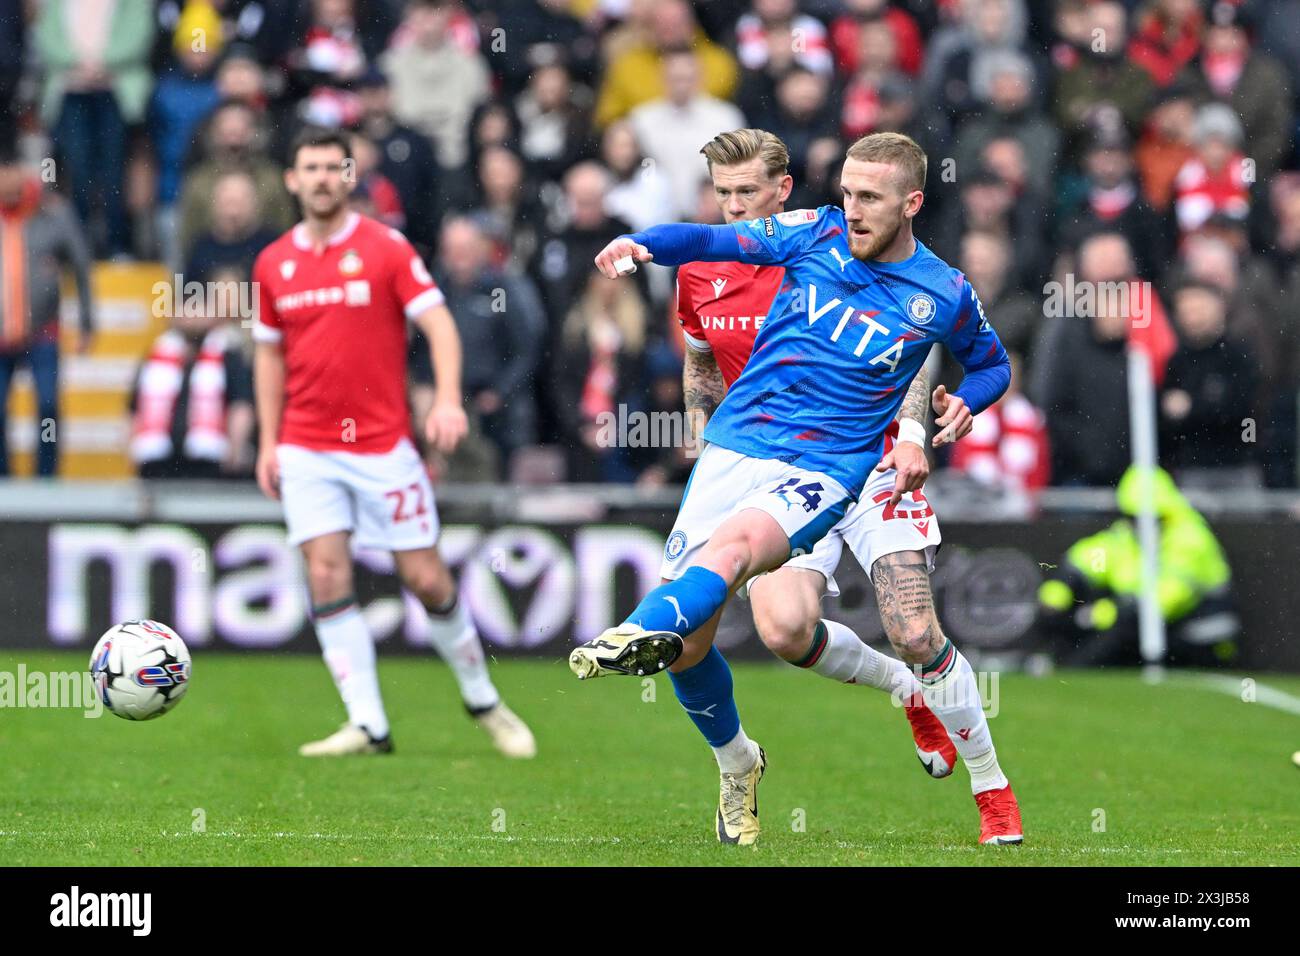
94,388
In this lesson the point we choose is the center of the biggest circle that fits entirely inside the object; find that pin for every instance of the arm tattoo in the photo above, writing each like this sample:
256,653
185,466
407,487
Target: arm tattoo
918,399
702,387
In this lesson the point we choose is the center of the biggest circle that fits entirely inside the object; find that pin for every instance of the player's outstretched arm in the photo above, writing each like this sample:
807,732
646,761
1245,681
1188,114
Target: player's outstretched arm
703,388
672,245
446,424
268,395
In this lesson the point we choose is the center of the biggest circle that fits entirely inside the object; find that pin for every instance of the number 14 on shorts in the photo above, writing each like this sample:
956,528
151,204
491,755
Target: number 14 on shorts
808,491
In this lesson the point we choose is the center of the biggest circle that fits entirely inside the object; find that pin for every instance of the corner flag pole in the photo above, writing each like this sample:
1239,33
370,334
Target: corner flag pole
1142,427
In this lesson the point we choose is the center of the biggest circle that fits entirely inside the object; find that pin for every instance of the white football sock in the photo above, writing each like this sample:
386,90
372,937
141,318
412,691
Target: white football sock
847,659
457,642
951,692
349,653
737,755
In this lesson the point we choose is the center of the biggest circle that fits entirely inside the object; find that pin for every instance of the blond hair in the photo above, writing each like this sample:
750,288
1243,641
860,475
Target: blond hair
898,150
742,145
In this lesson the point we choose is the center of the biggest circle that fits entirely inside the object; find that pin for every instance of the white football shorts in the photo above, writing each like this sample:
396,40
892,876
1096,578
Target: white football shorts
385,500
806,504
871,529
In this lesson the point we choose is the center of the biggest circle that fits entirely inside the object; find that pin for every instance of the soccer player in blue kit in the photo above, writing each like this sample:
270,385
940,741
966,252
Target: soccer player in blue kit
797,436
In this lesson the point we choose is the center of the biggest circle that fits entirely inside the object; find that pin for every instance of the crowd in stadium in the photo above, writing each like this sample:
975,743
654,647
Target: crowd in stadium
1069,142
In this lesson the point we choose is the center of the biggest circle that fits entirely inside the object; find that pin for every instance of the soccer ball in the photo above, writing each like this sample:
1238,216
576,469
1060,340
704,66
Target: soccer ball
142,669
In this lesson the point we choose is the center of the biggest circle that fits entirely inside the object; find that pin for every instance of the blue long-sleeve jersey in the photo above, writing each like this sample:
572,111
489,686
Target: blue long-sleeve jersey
841,343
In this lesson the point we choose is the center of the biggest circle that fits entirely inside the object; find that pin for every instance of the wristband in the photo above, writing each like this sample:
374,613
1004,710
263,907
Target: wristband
911,430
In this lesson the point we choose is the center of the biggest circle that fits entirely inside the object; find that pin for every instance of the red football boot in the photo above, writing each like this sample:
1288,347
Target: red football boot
933,745
999,817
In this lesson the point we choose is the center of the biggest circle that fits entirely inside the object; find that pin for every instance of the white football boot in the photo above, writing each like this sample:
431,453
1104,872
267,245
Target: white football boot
627,649
738,804
509,734
346,741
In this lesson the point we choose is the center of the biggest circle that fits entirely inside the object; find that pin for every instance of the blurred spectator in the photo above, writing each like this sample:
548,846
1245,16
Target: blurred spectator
1015,315
987,203
774,32
1011,113
640,195
1007,448
554,120
1080,373
801,114
335,41
38,234
430,60
1166,37
1230,71
241,77
542,33
957,74
663,371
237,233
262,26
846,29
564,261
501,324
1113,203
1217,178
183,98
1101,90
510,212
233,143
1279,37
405,158
877,63
97,84
13,57
602,344
192,402
637,74
672,130
384,202
1209,385
1166,145
1218,257
902,111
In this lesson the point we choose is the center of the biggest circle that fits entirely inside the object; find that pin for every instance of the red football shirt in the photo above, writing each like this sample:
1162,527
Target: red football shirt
722,305
340,315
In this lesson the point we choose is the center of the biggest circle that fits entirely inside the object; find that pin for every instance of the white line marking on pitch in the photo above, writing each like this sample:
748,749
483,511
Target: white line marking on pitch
1268,696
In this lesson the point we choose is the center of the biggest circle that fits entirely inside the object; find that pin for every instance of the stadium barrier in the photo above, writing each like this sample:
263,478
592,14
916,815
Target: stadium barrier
540,568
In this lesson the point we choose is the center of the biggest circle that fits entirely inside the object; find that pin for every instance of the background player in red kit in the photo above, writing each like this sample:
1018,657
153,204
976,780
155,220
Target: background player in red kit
892,530
334,297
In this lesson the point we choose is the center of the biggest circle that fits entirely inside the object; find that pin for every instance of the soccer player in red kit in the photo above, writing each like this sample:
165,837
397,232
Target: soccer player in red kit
334,297
892,530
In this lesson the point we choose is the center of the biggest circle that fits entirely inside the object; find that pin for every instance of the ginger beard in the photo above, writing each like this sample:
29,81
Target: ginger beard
875,207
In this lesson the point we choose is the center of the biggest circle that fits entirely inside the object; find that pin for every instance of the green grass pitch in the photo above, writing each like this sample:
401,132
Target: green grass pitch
1108,770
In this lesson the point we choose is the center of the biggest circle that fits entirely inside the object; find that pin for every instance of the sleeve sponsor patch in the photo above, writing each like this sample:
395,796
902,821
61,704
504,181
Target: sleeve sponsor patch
796,217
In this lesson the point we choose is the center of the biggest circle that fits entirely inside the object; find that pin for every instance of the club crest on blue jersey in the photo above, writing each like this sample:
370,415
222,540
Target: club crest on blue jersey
676,545
921,308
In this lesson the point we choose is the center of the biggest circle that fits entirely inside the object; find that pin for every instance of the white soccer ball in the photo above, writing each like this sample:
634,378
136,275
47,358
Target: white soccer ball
141,668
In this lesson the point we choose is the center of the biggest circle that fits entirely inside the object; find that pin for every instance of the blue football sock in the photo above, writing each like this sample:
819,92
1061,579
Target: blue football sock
705,693
684,605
